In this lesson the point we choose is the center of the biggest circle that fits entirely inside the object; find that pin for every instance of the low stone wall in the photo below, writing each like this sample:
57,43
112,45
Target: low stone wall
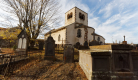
85,62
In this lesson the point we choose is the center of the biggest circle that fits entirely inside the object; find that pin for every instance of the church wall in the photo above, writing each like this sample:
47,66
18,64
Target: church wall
81,39
70,34
56,34
90,31
85,22
71,20
101,39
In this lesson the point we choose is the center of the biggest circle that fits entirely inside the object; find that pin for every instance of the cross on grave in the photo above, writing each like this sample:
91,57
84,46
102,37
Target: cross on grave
124,37
50,33
93,35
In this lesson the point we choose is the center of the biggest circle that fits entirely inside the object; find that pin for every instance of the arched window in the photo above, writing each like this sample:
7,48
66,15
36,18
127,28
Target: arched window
79,33
59,37
81,16
69,16
98,39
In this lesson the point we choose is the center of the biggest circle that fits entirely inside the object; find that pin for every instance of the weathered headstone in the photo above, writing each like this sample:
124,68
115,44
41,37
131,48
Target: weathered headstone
77,45
50,48
86,45
41,44
68,54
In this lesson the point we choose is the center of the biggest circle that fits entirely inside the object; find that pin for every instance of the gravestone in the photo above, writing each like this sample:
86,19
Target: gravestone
68,56
86,45
22,43
41,44
50,48
77,45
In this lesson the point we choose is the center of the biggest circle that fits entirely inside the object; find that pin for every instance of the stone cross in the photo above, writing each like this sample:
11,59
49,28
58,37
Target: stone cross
50,33
124,38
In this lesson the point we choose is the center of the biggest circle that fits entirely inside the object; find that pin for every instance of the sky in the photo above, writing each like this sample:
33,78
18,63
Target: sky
111,19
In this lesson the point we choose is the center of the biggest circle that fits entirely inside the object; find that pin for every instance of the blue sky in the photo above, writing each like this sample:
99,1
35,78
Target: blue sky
111,18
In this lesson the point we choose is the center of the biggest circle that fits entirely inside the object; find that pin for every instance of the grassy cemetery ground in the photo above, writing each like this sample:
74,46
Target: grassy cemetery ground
35,67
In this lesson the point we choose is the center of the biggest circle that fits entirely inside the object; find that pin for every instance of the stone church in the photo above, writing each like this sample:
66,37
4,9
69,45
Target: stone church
76,29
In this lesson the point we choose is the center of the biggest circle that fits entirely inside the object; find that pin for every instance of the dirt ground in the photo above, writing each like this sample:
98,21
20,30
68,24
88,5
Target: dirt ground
36,68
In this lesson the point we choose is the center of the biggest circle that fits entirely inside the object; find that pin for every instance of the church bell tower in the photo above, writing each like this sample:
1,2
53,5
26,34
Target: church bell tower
76,15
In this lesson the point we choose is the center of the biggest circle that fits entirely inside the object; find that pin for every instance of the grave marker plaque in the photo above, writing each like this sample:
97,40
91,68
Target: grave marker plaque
68,54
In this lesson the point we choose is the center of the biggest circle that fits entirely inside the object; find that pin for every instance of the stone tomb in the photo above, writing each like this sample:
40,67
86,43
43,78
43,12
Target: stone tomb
22,43
68,54
50,48
112,62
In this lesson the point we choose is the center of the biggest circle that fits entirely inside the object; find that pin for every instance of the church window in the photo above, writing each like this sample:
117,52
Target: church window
69,16
79,33
81,16
98,39
59,37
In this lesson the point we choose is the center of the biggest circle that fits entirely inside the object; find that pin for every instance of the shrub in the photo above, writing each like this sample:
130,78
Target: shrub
14,47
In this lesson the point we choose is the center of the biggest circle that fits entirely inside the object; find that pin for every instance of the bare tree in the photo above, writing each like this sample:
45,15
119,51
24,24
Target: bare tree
34,15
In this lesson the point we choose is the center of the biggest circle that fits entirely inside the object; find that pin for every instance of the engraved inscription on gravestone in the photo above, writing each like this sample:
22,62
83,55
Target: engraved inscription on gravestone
49,48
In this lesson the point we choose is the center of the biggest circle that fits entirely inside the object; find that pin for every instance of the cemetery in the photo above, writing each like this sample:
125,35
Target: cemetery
95,62
78,54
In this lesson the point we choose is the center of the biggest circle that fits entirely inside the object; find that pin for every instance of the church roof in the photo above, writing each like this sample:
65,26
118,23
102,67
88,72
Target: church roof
99,35
77,8
55,30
